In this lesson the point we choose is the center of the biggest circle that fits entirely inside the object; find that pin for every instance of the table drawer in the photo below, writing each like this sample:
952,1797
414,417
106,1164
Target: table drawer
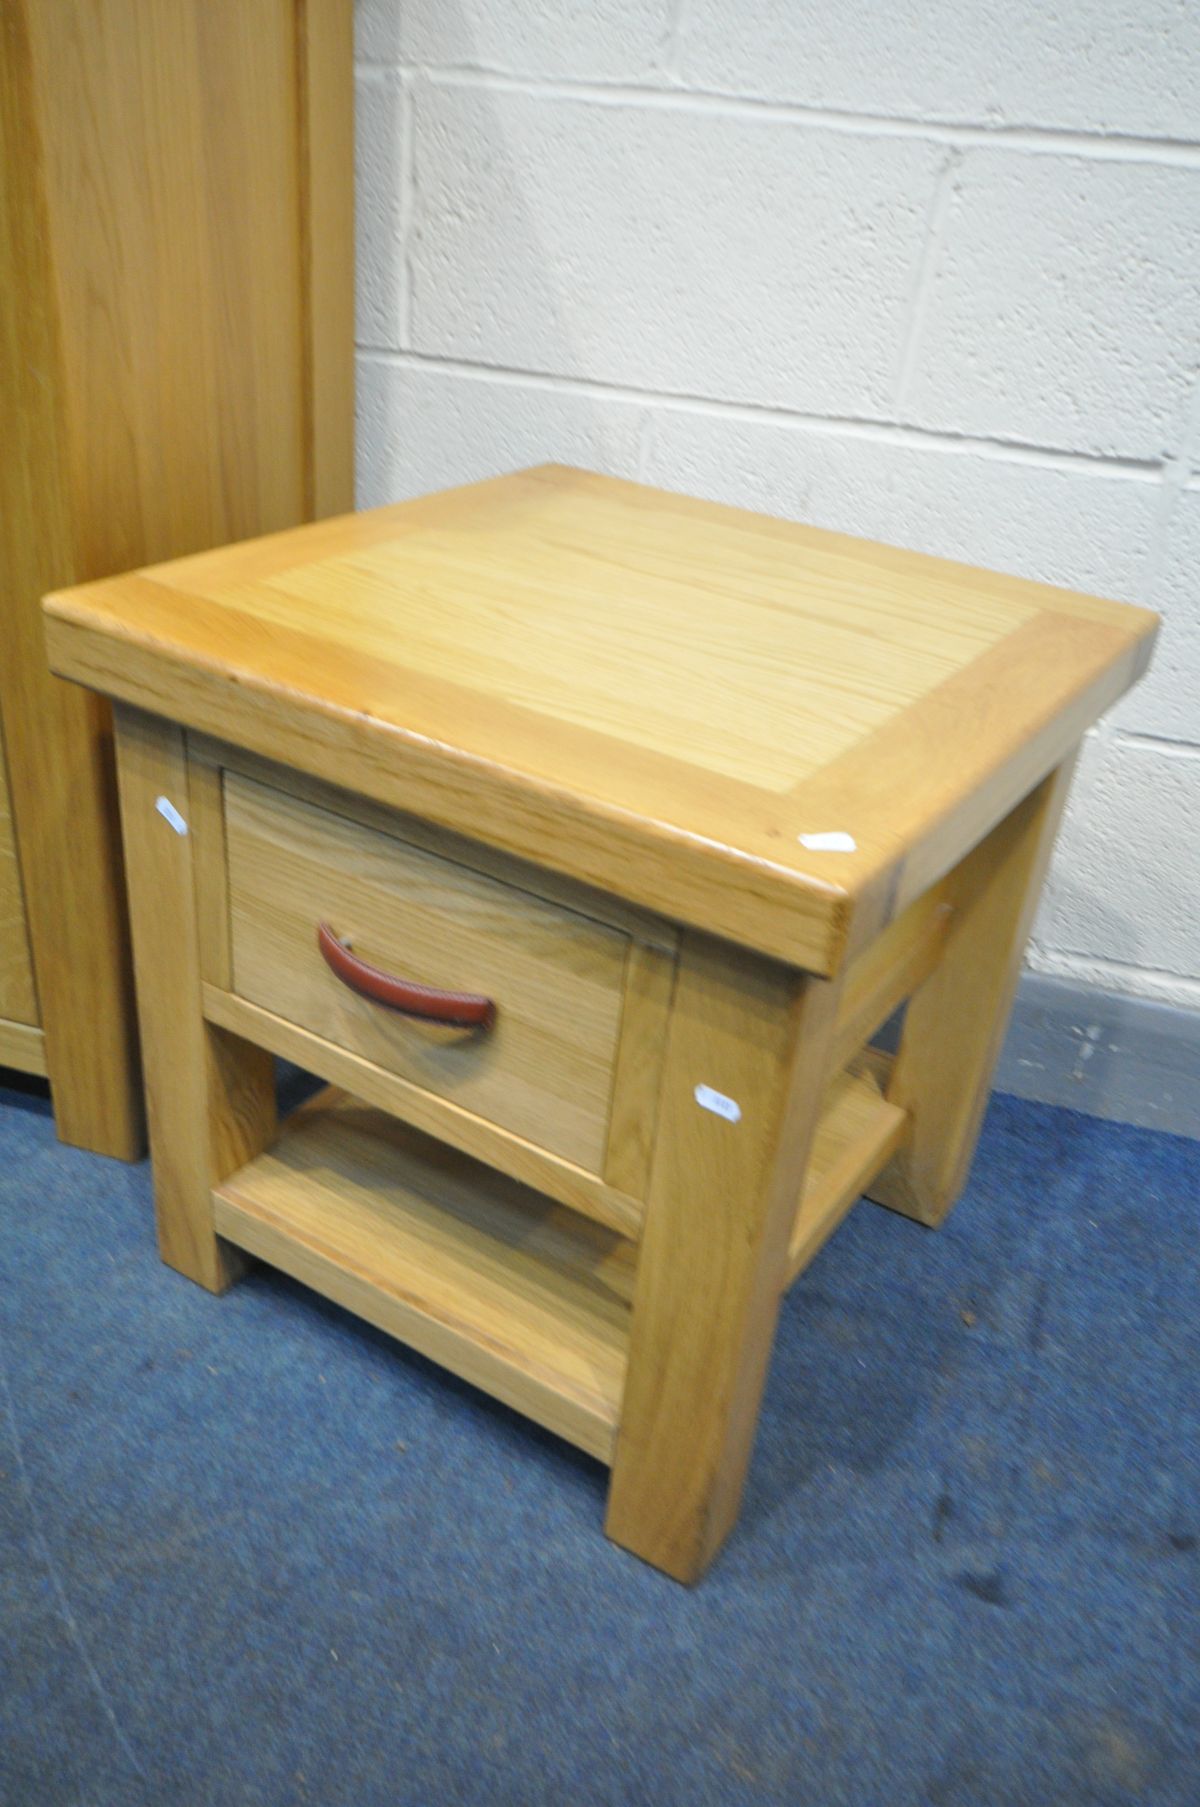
545,1068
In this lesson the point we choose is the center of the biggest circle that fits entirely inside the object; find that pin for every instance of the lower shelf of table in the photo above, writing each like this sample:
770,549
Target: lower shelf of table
22,1046
857,1133
521,1296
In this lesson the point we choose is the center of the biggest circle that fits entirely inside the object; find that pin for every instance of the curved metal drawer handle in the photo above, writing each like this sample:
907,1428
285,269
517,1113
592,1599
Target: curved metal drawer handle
460,1009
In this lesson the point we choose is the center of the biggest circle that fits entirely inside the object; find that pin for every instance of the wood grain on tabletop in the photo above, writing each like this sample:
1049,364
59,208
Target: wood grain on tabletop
653,694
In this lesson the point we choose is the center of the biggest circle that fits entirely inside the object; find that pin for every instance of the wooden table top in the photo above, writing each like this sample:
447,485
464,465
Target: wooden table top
677,701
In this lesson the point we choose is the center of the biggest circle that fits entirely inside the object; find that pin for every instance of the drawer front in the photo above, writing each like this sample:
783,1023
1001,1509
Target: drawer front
545,1069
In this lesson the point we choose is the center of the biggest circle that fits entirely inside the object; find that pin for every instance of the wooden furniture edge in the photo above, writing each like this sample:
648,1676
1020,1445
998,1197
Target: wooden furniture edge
325,132
956,1019
741,895
22,1047
668,871
641,1050
833,1185
646,926
889,970
741,1091
57,740
210,1094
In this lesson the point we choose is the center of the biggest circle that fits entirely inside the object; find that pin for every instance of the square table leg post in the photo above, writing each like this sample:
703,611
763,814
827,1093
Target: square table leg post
209,1094
955,1022
712,1263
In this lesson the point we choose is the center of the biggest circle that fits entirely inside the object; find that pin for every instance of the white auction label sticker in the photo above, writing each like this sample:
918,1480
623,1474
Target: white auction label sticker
721,1106
169,813
833,842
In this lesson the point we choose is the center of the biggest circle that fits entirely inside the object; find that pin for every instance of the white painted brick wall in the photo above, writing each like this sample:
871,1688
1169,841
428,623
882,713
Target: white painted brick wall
1090,65
423,429
926,273
592,40
732,258
1061,309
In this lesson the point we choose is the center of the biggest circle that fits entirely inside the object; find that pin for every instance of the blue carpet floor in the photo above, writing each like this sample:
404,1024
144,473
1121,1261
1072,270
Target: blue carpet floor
253,1552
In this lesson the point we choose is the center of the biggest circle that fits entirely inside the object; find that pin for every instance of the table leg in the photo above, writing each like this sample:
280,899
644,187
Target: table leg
753,1038
955,1022
209,1094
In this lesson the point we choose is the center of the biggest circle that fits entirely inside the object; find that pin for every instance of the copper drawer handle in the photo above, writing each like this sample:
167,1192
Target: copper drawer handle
460,1009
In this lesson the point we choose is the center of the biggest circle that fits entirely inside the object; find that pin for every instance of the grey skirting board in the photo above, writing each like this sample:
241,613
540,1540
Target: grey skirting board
1127,1059
1131,1060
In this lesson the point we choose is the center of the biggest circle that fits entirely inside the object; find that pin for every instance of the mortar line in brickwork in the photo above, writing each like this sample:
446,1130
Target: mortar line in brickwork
873,428
1060,140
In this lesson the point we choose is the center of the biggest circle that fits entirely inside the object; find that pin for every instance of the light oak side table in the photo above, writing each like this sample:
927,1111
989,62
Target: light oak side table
581,837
